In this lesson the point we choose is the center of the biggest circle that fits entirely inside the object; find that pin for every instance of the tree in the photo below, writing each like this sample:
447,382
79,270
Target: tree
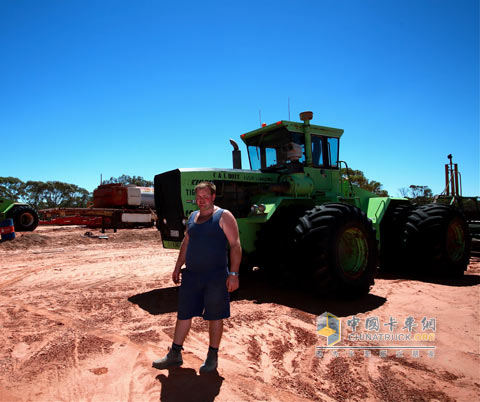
59,194
55,194
78,197
35,192
11,188
125,179
417,194
50,194
357,178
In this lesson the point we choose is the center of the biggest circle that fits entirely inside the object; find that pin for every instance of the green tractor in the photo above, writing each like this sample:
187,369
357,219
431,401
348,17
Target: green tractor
25,217
299,217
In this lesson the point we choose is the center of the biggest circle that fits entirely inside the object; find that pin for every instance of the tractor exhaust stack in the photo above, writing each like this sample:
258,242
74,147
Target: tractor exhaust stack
236,155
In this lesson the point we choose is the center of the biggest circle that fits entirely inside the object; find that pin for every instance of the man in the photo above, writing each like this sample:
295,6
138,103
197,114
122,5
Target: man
206,280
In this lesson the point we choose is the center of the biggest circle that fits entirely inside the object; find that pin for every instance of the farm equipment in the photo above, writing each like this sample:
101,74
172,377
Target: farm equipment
25,217
298,216
452,195
114,206
117,195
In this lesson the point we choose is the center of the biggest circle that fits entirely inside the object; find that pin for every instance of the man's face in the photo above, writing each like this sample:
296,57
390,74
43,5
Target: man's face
204,198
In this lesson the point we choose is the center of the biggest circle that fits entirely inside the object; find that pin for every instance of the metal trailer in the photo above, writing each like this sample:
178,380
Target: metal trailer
115,218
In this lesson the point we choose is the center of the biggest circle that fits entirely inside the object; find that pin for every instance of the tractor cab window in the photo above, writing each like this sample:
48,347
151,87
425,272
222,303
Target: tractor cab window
298,141
270,157
278,150
317,154
254,154
333,152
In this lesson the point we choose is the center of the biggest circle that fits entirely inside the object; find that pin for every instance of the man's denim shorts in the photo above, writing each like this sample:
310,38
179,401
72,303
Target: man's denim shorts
204,295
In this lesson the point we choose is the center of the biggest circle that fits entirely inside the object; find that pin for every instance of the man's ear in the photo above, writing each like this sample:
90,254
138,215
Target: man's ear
213,197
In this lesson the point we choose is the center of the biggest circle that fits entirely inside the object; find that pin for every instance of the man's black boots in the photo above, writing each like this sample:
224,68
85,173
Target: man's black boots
172,359
211,362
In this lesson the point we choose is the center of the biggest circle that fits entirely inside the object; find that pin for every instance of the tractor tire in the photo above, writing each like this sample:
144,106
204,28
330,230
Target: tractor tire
392,237
437,240
25,218
339,249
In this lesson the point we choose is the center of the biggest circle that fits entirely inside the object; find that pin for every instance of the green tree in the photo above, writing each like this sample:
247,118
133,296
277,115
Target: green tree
35,193
78,197
125,179
55,194
59,194
357,178
50,194
11,188
417,194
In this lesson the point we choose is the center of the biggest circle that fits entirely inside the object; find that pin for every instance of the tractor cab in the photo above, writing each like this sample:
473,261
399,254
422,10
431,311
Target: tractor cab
289,147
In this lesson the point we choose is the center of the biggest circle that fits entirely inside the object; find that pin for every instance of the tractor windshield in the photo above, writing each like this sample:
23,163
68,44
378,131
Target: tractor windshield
278,150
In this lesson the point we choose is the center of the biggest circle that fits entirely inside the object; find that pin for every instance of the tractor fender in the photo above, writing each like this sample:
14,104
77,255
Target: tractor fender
377,206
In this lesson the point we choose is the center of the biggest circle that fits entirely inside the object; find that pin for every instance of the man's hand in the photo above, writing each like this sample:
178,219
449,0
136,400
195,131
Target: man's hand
176,276
232,283
180,260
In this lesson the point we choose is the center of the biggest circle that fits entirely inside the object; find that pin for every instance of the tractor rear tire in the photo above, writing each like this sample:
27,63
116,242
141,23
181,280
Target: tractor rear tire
25,218
339,249
438,240
392,237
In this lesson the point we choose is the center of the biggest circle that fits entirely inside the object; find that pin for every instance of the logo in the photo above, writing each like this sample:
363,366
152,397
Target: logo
372,333
330,327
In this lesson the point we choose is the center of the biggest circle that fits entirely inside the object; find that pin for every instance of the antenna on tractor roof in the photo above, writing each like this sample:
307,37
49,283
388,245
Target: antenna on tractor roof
289,108
260,116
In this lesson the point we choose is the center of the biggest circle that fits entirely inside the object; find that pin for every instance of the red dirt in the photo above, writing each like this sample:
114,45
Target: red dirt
82,319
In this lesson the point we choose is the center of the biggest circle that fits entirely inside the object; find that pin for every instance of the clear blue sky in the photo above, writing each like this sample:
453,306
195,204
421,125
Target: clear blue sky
141,87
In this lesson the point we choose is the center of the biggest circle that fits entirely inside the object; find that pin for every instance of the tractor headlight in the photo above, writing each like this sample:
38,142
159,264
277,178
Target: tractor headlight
258,209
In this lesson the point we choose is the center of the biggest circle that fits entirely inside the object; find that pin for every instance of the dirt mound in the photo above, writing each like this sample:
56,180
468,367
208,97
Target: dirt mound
66,236
24,241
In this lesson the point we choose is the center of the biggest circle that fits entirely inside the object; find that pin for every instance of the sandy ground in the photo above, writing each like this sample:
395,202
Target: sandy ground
82,318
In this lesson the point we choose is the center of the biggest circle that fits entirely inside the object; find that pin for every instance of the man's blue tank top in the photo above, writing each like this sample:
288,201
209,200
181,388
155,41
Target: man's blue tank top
207,244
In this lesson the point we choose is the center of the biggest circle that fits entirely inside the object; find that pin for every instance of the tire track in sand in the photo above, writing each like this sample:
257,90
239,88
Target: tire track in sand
78,325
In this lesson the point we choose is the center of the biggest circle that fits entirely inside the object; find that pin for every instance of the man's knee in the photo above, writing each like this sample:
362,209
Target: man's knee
184,322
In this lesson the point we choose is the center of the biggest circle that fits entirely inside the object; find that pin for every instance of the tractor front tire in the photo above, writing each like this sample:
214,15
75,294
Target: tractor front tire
25,218
438,240
339,250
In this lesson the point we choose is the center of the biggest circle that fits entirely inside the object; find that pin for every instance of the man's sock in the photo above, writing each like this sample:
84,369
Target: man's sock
210,349
176,348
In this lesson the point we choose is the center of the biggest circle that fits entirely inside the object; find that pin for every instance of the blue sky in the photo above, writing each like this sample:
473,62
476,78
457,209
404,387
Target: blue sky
142,87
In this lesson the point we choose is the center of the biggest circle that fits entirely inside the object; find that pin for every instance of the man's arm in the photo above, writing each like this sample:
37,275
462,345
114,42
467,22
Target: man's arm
180,260
229,225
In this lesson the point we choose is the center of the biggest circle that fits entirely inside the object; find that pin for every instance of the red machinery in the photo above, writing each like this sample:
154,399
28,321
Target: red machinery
114,206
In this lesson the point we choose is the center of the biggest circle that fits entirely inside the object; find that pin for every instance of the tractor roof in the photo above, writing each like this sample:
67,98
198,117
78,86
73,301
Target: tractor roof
293,127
